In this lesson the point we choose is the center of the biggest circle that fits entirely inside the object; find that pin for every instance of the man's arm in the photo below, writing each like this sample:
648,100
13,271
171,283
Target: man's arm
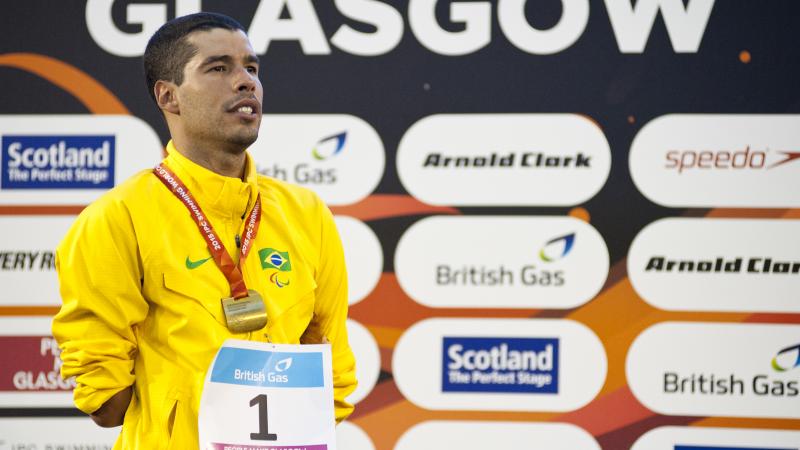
100,282
112,413
330,312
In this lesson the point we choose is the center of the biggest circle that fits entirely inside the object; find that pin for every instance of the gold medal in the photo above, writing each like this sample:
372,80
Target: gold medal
245,314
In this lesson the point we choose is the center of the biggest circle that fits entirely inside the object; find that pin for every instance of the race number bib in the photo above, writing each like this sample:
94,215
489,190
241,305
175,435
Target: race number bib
261,396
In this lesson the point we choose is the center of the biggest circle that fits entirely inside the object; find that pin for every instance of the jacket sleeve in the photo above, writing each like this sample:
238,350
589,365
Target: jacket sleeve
330,312
100,277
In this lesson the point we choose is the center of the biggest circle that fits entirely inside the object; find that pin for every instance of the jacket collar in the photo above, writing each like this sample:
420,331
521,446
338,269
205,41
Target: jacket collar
224,195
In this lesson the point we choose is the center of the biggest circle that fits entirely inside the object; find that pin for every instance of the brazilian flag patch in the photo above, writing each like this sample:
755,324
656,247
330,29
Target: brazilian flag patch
275,259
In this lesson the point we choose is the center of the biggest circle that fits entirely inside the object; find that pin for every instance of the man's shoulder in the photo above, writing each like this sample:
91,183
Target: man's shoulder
289,195
134,190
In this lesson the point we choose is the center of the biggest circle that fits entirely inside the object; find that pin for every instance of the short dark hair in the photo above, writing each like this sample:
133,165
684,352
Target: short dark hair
168,50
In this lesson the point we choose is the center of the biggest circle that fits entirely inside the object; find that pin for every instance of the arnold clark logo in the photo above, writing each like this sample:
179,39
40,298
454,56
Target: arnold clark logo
705,369
340,157
70,159
712,438
696,160
499,364
503,159
508,262
718,264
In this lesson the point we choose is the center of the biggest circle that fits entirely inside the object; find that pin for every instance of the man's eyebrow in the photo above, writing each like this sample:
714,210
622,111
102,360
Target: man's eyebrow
216,58
251,58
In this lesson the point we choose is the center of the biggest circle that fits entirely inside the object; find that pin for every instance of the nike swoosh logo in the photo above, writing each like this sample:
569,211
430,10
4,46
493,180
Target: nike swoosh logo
195,264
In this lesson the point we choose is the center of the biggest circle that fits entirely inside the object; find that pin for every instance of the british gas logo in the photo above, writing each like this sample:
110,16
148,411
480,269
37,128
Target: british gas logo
510,262
719,160
669,370
340,157
557,248
278,263
787,359
329,146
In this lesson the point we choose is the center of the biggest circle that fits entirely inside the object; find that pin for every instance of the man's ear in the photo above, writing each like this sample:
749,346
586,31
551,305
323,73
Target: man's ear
166,96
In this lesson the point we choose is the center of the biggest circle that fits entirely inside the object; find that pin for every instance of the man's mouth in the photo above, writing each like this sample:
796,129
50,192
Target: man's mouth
246,107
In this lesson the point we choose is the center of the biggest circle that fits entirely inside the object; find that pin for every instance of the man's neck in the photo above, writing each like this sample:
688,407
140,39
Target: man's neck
223,161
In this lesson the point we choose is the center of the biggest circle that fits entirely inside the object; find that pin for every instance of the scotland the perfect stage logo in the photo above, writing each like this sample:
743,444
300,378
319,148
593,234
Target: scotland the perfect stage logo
518,365
57,162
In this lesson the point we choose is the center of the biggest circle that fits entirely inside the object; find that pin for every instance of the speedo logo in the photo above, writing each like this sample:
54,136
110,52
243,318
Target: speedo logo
744,159
532,160
278,263
57,162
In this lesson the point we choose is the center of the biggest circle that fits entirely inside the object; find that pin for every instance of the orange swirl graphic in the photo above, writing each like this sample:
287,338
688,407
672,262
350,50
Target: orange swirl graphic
94,96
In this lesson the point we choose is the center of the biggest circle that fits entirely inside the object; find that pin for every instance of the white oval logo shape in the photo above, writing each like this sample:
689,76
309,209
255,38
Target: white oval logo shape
363,256
717,369
708,438
27,266
51,433
368,359
476,435
350,436
718,264
340,157
501,262
504,159
717,160
499,364
71,159
30,374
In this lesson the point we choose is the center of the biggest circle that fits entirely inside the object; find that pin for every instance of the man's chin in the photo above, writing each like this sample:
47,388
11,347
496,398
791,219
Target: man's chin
243,140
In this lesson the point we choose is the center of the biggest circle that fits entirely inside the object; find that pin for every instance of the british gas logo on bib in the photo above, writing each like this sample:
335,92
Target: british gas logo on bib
500,365
57,162
260,368
504,159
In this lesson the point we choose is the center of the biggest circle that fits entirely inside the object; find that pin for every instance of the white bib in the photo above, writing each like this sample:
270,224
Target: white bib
260,396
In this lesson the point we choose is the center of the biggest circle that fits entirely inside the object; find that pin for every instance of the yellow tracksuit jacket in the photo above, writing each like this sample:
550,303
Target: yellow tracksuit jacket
141,295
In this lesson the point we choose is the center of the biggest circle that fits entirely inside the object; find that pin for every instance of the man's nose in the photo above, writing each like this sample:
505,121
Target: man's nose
246,81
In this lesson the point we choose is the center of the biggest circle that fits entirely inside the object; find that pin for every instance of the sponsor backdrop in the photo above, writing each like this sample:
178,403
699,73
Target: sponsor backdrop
569,224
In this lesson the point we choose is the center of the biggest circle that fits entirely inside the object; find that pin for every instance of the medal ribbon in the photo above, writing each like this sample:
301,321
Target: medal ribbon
221,256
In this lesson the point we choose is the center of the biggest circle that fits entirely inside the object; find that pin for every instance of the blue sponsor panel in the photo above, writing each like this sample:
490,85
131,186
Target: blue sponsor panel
714,447
269,369
523,365
57,162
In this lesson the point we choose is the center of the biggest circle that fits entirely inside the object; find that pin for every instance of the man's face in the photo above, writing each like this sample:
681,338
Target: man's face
220,97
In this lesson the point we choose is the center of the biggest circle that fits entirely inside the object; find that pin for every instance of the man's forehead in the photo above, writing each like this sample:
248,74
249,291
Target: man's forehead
220,41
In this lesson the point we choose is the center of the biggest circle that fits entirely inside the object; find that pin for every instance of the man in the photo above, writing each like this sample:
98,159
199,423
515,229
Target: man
142,277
